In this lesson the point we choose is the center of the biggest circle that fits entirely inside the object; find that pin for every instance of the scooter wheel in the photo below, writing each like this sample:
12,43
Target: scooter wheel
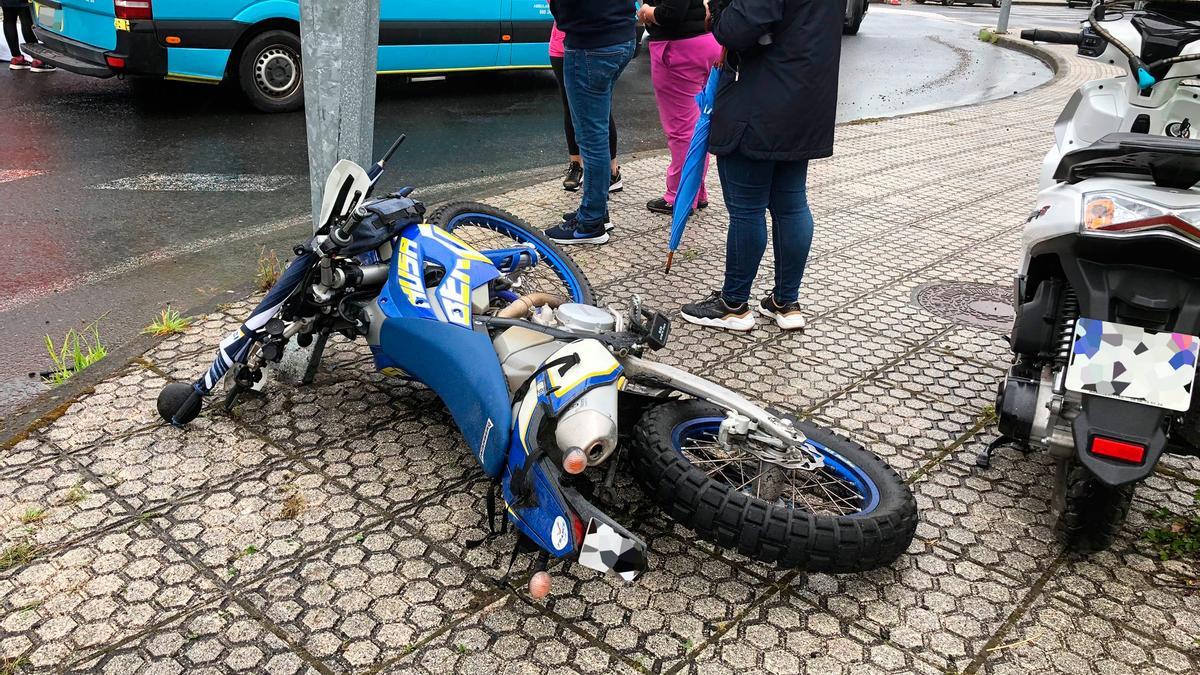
851,515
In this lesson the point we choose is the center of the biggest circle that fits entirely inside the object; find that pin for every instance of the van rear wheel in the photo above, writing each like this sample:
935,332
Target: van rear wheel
270,72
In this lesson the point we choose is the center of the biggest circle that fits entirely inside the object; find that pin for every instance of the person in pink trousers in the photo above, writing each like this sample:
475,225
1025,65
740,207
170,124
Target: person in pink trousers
682,53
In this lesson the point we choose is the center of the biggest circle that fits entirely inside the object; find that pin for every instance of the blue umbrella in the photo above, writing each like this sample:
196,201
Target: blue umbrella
693,165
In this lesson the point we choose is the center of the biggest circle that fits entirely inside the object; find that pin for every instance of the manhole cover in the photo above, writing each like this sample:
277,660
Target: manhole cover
979,305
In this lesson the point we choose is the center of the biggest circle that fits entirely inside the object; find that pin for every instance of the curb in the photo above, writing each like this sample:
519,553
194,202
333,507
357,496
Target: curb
50,405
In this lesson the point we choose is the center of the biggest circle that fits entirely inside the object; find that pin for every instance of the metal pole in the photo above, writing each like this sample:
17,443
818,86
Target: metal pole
1002,22
340,45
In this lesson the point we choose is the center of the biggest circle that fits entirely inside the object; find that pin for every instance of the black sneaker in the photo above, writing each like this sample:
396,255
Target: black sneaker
569,232
608,226
573,177
659,205
714,312
615,184
787,316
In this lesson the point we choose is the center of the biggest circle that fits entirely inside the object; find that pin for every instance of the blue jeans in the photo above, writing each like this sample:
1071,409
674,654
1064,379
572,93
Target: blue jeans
589,76
751,187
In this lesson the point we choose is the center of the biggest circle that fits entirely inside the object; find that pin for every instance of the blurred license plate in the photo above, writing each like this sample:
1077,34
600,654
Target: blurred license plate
49,18
1133,364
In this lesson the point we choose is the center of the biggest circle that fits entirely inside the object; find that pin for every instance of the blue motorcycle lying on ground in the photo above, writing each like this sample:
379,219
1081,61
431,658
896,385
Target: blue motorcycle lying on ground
493,317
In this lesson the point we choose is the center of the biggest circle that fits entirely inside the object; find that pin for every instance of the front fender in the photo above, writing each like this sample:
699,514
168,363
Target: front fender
661,374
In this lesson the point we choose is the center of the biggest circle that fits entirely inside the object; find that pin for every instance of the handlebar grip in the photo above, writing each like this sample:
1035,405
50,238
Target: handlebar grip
1057,37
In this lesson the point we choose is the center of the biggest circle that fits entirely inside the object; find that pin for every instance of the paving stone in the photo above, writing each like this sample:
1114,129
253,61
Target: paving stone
218,638
93,594
370,599
510,637
47,505
244,528
115,407
151,468
400,464
784,635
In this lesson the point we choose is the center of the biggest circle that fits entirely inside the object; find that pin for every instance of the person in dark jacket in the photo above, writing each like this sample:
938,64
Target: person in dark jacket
682,53
774,112
599,44
20,11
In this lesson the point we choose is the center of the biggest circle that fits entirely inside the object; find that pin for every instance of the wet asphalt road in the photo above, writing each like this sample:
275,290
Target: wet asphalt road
116,200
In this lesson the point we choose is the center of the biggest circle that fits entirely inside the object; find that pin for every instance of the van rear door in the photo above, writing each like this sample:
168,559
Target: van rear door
90,22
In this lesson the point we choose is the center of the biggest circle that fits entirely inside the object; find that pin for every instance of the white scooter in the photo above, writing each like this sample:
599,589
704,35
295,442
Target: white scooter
1108,293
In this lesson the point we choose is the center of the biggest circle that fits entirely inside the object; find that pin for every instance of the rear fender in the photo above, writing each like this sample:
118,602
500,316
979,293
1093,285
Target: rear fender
270,9
1125,421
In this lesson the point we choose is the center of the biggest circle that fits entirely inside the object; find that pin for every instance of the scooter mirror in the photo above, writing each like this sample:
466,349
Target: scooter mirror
346,186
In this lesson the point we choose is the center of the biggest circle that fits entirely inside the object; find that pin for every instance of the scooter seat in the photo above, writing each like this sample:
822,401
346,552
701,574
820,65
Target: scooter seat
1169,162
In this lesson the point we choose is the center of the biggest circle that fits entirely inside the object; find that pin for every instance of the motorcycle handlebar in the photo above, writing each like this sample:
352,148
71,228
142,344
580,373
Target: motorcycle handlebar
1057,37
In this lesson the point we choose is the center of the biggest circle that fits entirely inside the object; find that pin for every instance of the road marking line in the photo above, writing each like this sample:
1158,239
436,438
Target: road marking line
155,257
9,175
199,182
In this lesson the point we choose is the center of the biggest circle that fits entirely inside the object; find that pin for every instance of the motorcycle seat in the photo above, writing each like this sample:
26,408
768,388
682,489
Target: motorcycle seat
1169,162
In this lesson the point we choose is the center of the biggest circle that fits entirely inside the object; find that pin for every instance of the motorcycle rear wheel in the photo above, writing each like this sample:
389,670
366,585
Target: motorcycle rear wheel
486,227
1088,515
852,515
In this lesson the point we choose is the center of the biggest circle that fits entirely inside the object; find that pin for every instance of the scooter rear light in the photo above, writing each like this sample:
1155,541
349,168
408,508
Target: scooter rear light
133,9
115,62
577,527
1111,213
1118,450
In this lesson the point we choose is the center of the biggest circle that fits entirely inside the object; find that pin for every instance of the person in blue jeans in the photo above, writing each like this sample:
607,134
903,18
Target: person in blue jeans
599,44
775,111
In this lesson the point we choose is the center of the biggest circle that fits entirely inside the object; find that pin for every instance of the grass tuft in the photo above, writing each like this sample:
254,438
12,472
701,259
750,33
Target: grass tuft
11,665
17,554
988,415
33,514
78,350
269,270
168,322
1179,537
293,506
76,494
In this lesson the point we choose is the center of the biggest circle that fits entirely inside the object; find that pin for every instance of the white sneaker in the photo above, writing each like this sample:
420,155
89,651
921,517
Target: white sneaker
788,317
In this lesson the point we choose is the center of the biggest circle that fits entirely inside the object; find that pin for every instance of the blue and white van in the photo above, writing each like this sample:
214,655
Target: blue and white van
257,42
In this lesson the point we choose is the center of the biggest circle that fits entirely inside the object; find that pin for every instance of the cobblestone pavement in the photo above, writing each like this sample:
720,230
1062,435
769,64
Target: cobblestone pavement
322,529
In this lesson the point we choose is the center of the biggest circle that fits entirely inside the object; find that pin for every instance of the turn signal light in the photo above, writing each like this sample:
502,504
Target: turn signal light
174,40
1098,213
539,585
575,461
1118,450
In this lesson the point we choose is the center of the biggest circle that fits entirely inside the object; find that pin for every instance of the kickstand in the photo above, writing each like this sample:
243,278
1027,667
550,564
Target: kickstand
984,459
314,361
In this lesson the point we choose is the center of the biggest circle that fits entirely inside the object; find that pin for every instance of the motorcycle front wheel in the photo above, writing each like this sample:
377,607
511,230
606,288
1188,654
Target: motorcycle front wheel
851,515
486,228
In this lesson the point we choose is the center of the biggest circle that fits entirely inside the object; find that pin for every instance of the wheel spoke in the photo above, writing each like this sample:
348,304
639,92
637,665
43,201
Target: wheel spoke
818,491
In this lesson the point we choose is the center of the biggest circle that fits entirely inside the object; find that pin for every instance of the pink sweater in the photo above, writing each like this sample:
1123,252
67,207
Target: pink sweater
556,41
